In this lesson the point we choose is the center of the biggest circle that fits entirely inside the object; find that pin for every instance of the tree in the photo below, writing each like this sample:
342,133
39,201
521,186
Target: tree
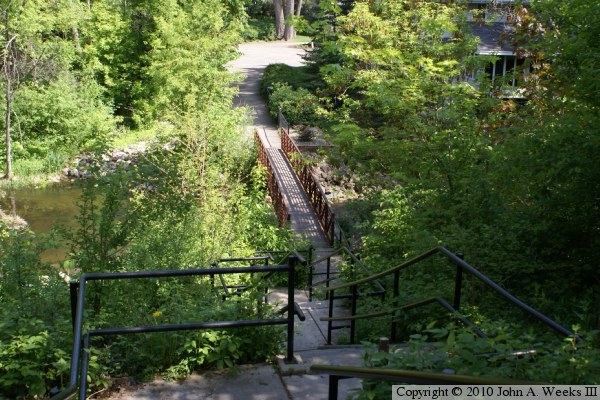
9,76
9,68
286,9
279,17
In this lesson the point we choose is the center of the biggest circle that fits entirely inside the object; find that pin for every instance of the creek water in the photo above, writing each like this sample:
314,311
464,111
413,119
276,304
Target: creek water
43,208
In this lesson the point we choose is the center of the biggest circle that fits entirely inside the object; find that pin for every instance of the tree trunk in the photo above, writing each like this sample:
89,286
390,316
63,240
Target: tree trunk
298,7
288,9
279,24
7,75
9,173
76,39
75,31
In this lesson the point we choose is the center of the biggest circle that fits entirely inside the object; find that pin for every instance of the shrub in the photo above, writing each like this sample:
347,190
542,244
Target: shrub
296,77
459,350
298,105
261,28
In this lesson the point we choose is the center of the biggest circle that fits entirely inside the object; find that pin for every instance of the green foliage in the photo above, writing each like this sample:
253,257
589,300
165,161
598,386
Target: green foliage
64,116
295,77
458,350
260,28
195,196
511,184
155,56
298,105
33,331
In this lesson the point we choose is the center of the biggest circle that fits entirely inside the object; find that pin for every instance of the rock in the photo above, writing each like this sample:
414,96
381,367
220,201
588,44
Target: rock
13,221
309,133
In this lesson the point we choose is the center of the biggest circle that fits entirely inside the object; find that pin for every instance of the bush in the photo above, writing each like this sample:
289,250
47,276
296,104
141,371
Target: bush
34,332
298,105
297,77
459,350
261,28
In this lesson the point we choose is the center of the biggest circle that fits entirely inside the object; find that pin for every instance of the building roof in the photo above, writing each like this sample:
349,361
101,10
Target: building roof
512,2
494,38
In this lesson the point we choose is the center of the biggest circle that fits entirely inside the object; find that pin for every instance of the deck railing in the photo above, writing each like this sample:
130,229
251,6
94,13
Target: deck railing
314,191
277,197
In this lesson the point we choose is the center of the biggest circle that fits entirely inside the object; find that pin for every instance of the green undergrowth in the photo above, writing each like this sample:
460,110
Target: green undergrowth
259,28
456,350
295,77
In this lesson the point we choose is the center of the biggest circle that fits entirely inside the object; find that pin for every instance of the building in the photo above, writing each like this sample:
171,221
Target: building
490,20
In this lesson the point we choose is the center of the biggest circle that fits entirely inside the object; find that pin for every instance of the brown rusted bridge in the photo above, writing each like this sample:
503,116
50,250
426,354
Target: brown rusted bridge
297,196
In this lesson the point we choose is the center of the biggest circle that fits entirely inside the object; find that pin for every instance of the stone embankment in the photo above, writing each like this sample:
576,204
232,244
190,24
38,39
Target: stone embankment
86,164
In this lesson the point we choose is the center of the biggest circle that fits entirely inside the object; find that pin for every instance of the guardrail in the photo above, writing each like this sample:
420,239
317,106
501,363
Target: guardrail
82,343
277,197
314,191
336,373
461,267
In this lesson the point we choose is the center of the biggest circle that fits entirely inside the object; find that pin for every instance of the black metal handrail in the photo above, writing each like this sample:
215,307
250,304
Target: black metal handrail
81,342
461,266
404,376
380,289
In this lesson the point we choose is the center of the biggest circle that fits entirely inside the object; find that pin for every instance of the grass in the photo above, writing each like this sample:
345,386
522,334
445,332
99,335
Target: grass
296,77
302,39
126,137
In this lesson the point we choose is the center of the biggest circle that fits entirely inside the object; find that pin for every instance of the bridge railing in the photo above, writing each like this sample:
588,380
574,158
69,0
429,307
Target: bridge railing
461,268
314,191
82,341
277,197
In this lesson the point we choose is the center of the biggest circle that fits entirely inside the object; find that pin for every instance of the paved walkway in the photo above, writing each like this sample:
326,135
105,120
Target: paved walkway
267,382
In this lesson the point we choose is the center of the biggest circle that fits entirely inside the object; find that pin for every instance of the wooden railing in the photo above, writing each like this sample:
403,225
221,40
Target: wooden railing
313,190
274,191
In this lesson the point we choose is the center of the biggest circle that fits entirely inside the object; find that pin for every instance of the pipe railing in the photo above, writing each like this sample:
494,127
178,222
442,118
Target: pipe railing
461,267
336,373
354,260
82,343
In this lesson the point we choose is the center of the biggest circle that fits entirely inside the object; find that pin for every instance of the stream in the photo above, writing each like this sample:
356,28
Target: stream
42,208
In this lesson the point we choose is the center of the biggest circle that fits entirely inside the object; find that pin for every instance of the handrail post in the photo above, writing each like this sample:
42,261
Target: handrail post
330,315
311,271
395,303
73,291
84,366
458,282
333,387
353,313
292,261
328,274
